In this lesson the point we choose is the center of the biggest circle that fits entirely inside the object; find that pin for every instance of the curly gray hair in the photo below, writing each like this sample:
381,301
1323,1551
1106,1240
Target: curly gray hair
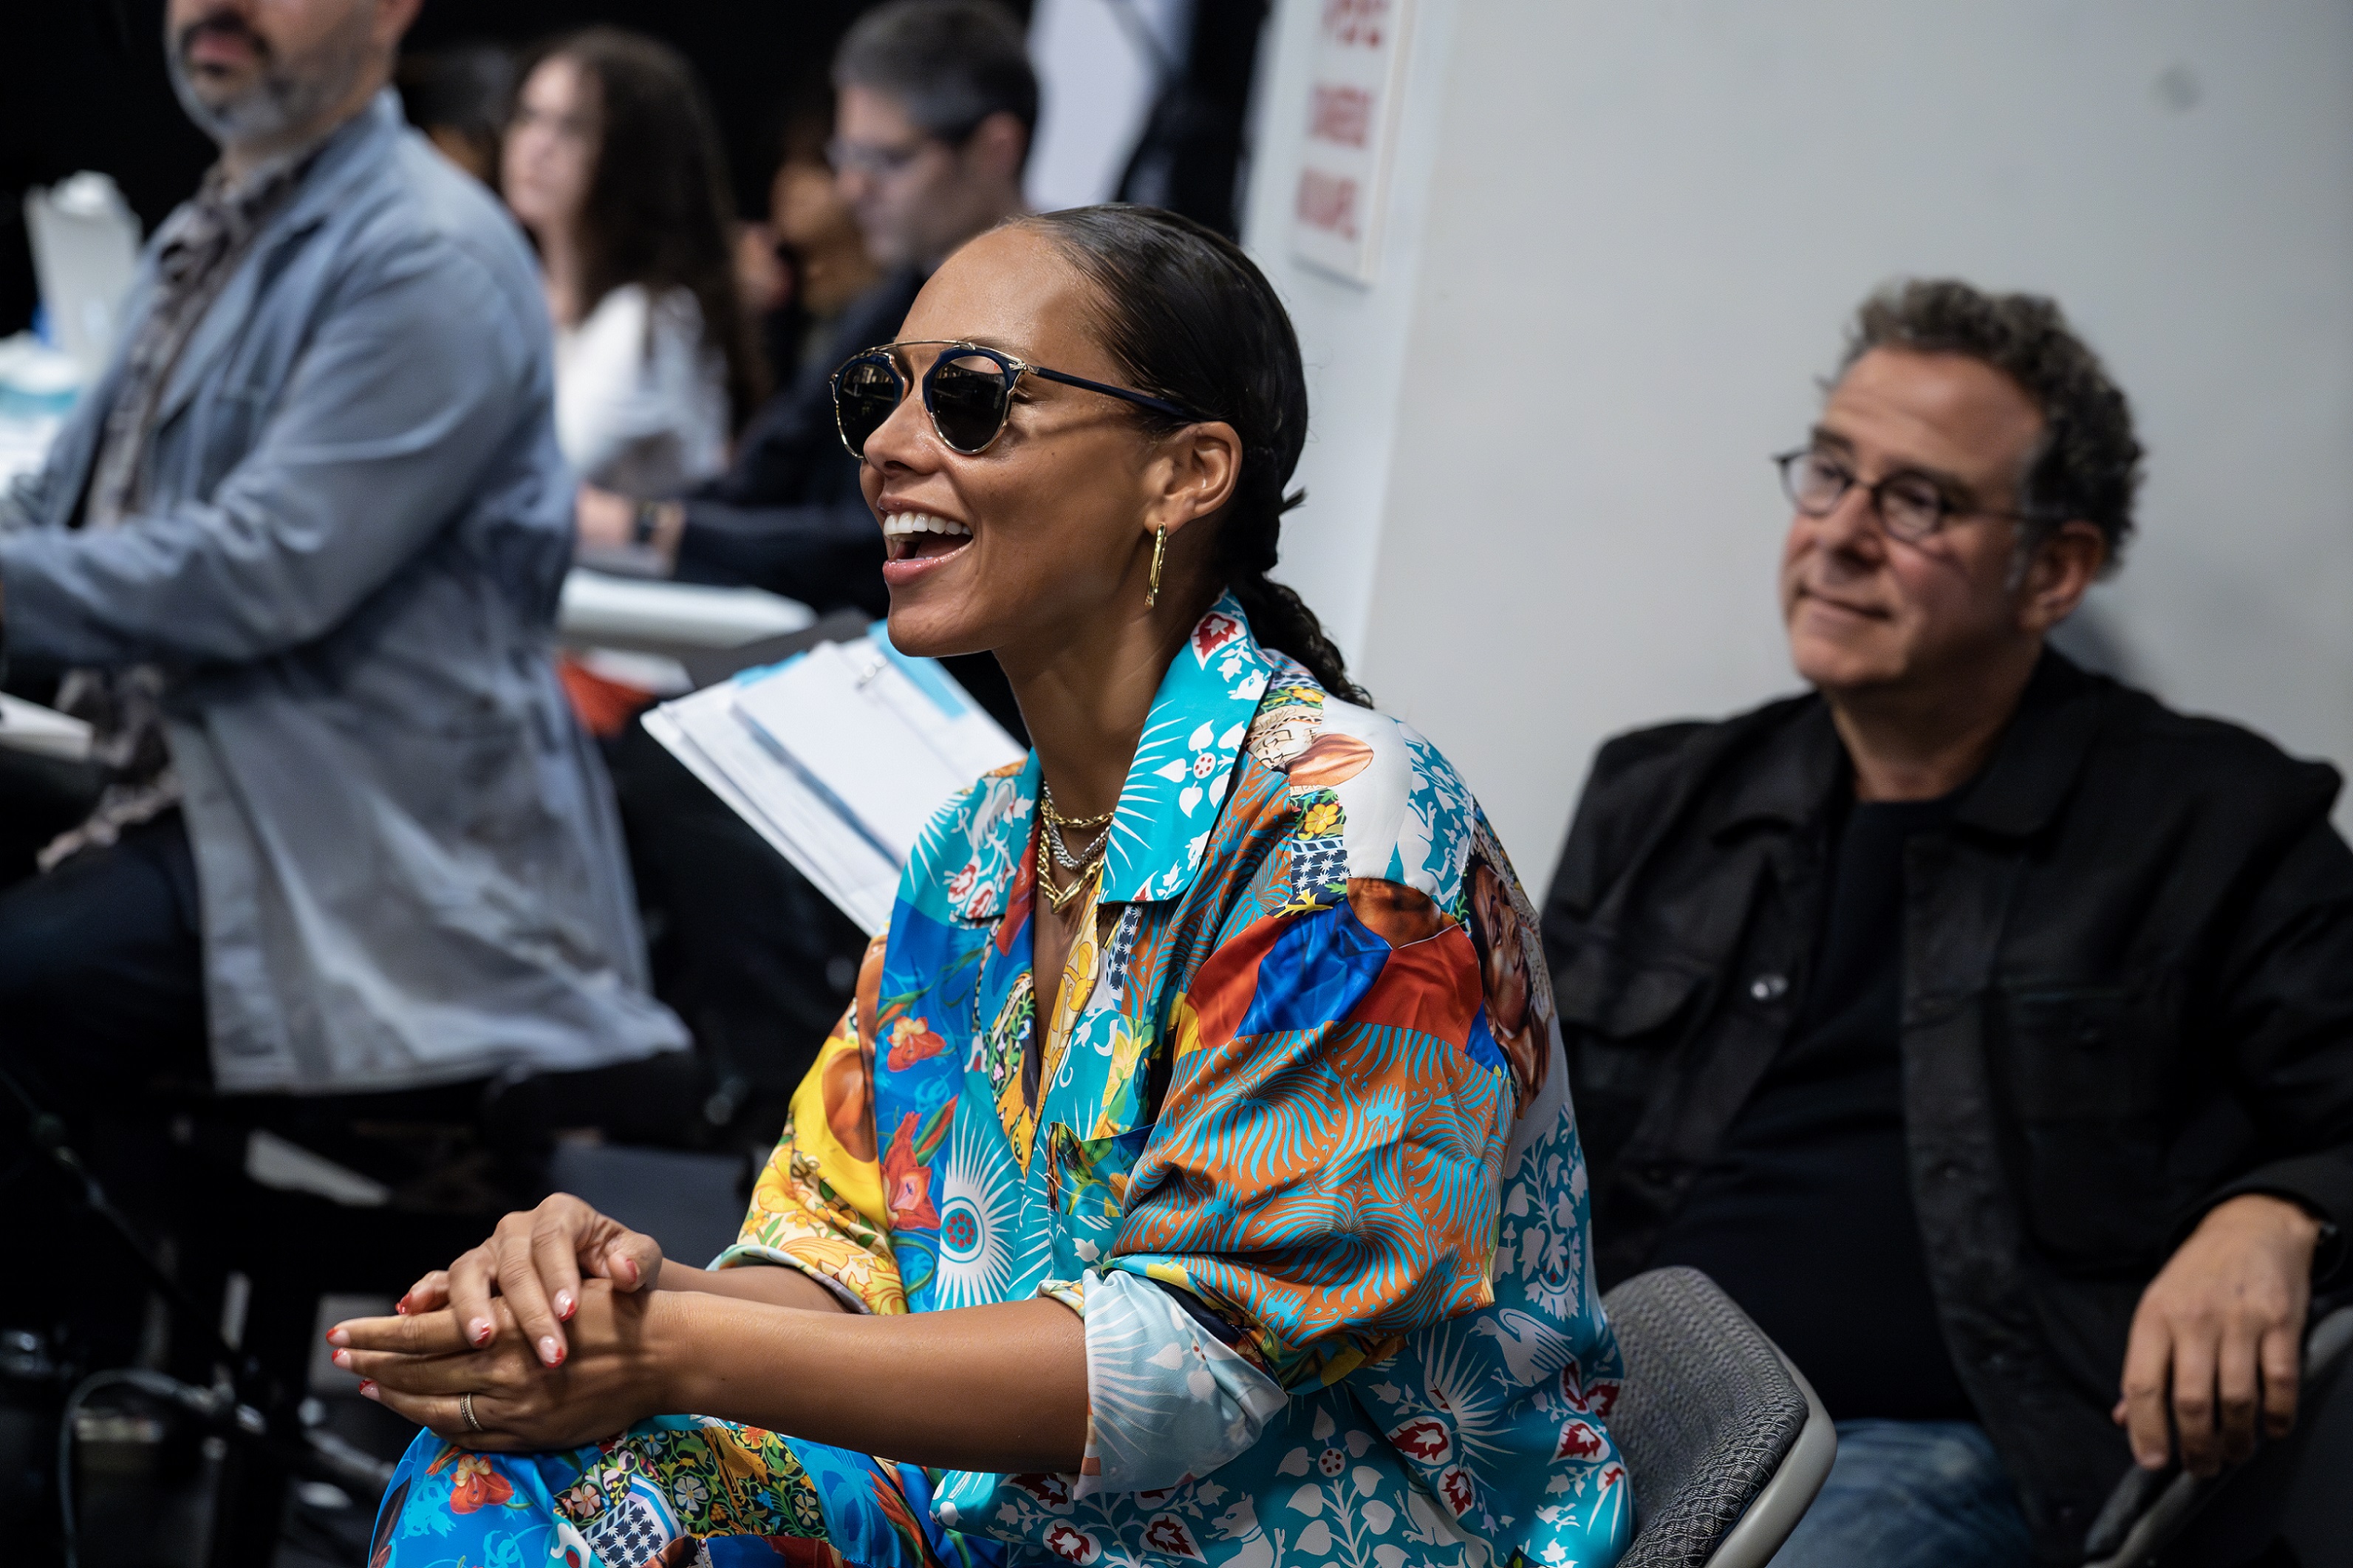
2088,463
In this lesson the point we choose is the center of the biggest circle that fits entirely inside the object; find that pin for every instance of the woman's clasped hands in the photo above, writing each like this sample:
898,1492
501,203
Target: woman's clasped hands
544,1336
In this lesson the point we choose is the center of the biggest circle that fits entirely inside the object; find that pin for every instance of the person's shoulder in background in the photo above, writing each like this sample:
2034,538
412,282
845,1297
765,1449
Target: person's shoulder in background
1644,758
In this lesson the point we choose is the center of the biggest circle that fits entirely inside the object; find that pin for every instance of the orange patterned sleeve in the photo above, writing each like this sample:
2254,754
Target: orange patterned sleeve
817,1205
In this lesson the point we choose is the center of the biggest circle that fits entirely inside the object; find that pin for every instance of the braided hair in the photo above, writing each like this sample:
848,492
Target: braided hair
1190,319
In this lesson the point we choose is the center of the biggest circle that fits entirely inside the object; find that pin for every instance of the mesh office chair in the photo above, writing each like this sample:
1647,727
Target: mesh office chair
1726,1443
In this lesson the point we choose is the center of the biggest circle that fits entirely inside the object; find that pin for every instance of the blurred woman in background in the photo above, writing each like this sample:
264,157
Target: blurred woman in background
613,164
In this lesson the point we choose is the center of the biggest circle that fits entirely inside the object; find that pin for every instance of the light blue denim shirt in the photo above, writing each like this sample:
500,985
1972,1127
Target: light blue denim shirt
355,526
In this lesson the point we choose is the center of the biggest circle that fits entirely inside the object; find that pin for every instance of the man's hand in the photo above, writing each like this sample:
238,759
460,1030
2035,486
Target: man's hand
603,519
2221,1331
607,521
535,1260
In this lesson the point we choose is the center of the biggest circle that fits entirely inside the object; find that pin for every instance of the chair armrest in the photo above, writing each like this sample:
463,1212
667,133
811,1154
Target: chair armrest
2176,1499
1775,1512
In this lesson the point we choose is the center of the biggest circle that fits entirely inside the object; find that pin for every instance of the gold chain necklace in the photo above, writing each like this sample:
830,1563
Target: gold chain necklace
1061,899
1080,824
1088,867
1062,856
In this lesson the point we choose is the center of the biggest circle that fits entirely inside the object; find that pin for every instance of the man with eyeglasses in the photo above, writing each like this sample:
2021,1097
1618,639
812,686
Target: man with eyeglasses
1983,1026
935,101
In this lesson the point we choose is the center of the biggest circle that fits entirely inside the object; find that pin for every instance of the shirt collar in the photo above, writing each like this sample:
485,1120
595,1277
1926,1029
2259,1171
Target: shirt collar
2019,790
2035,765
1184,765
263,182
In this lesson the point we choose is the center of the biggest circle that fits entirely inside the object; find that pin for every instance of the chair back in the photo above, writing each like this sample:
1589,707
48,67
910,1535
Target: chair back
1726,1443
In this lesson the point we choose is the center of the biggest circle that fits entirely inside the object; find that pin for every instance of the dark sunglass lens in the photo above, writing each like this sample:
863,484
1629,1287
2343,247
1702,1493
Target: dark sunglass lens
865,392
967,398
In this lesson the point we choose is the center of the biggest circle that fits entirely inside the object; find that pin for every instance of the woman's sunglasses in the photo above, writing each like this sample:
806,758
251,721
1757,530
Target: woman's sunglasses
968,392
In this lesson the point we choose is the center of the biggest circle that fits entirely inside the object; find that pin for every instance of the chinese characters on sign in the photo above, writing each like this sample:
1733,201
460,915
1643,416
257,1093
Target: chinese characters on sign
1351,108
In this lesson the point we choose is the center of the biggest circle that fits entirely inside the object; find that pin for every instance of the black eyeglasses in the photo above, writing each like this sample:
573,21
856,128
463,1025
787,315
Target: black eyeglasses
968,392
1910,506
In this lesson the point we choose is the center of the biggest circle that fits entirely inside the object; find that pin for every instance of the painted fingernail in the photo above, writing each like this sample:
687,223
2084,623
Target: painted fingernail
401,1306
368,1389
336,1336
342,1359
479,1331
550,1351
564,1305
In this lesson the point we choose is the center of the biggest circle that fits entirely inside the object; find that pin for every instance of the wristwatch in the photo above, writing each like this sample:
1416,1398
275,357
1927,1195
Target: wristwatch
642,524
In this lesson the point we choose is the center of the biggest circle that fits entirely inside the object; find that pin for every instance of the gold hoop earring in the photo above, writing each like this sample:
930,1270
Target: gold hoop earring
1159,545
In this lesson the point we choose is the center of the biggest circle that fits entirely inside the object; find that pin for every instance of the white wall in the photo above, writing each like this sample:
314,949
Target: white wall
1353,339
1542,510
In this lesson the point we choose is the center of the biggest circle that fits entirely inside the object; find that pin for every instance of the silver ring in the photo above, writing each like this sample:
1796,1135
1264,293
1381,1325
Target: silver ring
465,1409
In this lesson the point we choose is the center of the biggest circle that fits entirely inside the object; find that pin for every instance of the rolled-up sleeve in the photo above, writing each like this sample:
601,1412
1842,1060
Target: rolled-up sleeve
417,376
1167,1396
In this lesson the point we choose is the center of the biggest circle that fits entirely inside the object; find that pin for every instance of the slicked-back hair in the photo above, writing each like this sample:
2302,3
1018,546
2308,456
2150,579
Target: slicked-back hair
950,64
2088,464
1189,318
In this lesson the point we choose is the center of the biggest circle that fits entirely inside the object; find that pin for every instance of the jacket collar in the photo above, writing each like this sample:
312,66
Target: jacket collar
1792,774
1788,777
351,153
348,155
2036,762
1184,765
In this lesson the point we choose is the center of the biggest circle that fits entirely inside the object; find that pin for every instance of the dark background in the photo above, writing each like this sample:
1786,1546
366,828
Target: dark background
83,86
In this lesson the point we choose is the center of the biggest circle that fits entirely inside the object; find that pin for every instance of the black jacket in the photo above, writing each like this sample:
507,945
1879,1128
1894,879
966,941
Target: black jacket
2128,993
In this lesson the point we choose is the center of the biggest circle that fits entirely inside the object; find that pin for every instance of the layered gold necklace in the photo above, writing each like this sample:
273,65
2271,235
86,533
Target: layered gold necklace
1085,865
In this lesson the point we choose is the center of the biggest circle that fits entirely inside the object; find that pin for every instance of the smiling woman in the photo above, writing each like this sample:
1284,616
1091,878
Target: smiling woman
1194,1178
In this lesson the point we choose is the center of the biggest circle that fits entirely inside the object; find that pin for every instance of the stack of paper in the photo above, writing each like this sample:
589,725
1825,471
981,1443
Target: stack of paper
839,756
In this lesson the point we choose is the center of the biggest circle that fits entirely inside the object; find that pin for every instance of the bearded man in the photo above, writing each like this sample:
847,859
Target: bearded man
296,555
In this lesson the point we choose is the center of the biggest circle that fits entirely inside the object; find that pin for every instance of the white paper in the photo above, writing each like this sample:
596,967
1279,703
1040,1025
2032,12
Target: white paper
706,735
684,615
838,757
29,727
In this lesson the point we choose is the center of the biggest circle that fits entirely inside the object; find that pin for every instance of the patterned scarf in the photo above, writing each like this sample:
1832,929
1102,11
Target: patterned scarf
198,252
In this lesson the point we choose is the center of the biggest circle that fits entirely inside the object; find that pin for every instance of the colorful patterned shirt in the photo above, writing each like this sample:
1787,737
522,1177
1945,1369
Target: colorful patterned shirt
1296,1144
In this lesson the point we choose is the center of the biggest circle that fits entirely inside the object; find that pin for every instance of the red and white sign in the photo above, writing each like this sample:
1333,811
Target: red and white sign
1359,69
